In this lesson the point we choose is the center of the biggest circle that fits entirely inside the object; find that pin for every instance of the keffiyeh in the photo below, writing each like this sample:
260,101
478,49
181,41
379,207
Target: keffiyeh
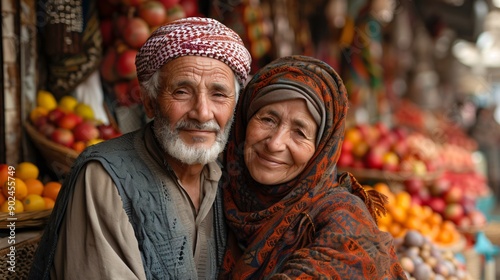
193,36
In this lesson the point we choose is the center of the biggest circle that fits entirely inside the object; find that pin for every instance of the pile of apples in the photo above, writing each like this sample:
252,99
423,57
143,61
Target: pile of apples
125,27
397,149
69,123
452,195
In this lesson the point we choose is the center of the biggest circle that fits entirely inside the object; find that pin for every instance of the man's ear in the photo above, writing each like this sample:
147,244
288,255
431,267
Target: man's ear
148,106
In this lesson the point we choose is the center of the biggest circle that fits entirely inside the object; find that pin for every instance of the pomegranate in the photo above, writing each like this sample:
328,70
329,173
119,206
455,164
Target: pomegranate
136,32
153,12
125,64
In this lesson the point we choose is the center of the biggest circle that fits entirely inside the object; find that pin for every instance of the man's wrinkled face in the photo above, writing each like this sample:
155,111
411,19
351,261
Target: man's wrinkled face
193,112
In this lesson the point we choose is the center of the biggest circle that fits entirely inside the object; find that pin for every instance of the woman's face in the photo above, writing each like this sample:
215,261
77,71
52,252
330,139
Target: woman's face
280,141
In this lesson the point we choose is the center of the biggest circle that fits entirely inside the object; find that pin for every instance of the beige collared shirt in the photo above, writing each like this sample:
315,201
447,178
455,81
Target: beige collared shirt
97,240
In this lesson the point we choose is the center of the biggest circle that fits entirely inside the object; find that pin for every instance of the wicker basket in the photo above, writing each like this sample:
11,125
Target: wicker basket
58,157
25,251
27,219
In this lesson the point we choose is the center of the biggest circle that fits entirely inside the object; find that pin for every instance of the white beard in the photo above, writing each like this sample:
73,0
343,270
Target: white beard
173,145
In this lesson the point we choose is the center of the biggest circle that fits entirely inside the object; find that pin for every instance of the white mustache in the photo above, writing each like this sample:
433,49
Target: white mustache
210,125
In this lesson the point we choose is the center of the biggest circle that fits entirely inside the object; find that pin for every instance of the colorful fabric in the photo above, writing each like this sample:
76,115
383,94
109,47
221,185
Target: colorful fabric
319,225
193,36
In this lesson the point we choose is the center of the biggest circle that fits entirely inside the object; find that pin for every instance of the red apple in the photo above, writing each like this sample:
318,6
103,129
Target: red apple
453,212
63,136
346,146
465,222
400,132
136,32
69,121
382,128
55,115
414,185
106,131
153,12
125,64
345,159
46,129
454,194
437,204
439,186
477,218
374,157
400,147
85,131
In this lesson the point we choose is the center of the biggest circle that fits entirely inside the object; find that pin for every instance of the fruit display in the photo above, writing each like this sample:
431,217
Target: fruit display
421,259
68,122
378,147
404,215
452,195
399,150
125,27
23,191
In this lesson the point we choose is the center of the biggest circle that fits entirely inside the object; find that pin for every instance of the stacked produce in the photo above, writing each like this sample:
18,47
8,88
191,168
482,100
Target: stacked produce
452,195
404,215
421,259
125,27
378,147
23,191
69,122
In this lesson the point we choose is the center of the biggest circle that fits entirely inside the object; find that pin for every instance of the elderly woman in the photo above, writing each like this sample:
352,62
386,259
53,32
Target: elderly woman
290,214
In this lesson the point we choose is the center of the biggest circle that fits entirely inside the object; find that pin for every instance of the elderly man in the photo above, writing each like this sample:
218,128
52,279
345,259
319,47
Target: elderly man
145,205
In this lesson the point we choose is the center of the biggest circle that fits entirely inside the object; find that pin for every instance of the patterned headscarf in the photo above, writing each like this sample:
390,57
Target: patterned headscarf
193,36
261,213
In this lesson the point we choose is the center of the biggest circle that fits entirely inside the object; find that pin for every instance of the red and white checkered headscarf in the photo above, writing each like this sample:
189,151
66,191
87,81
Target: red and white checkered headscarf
193,36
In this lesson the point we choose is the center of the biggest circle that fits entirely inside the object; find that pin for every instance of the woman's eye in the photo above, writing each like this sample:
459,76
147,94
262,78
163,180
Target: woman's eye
267,120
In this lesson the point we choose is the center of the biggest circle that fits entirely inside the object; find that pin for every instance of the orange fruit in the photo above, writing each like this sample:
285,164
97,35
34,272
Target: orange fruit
15,187
397,230
38,112
403,199
17,206
398,214
49,202
79,146
385,220
27,170
426,212
51,190
383,228
34,186
435,219
33,202
353,135
412,223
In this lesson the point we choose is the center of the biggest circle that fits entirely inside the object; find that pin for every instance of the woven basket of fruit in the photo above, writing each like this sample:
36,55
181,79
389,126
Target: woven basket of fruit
58,157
